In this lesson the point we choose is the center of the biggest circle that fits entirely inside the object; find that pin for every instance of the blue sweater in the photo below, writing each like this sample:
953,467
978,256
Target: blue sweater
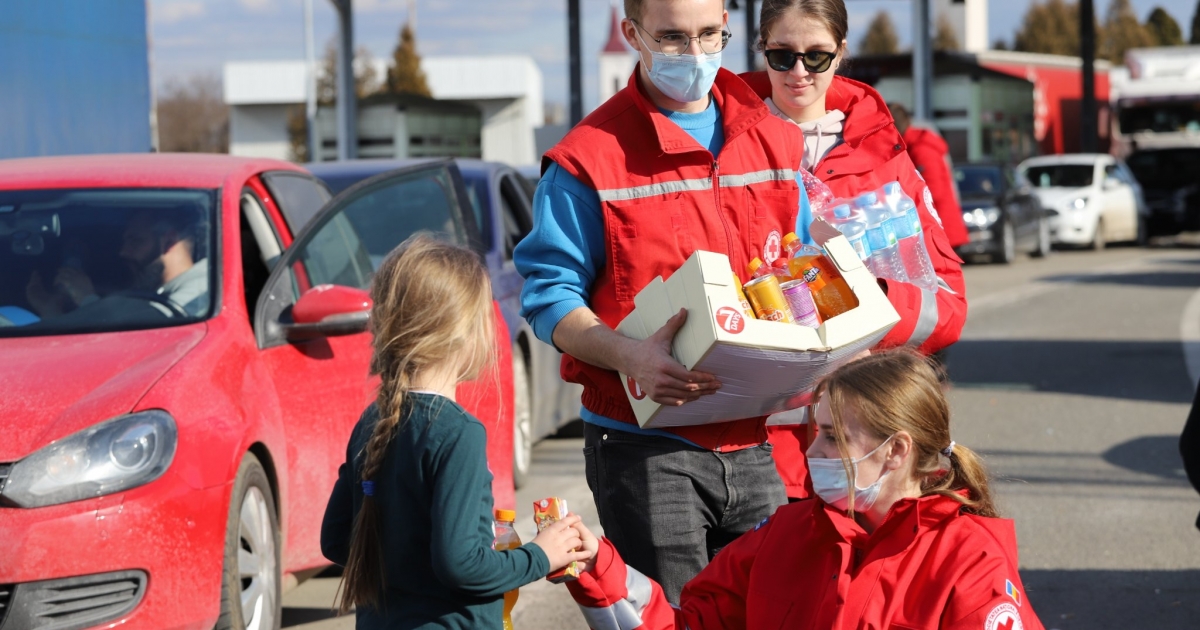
561,258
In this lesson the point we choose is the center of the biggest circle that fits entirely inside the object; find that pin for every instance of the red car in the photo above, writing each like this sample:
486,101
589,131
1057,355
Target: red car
183,353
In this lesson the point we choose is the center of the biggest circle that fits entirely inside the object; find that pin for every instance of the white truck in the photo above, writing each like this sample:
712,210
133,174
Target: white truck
1157,104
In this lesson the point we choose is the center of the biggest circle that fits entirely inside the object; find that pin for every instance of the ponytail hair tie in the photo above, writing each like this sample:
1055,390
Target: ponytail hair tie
949,450
368,488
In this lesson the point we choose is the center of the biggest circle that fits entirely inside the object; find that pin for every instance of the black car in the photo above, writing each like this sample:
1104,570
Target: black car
1002,214
1170,180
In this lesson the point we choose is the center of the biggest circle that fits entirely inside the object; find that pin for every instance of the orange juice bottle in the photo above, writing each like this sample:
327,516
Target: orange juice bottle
506,538
829,289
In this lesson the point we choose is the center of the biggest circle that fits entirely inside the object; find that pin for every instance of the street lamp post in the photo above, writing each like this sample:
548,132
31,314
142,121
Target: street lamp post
1087,106
922,62
575,62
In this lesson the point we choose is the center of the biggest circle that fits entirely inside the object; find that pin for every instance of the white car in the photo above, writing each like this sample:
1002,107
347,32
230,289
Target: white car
1091,199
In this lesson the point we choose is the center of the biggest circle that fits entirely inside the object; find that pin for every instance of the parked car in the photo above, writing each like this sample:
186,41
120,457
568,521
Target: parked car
184,353
502,201
1092,198
1170,178
1002,214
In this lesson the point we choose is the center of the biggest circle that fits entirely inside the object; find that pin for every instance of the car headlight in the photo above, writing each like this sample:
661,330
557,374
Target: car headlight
118,454
1078,203
982,217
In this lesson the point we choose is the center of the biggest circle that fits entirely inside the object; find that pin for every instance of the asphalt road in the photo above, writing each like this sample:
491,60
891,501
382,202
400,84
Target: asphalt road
1072,379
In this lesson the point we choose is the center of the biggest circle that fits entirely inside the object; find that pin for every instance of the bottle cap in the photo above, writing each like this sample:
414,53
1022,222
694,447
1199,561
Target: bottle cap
779,263
867,199
789,238
754,264
507,516
891,188
841,212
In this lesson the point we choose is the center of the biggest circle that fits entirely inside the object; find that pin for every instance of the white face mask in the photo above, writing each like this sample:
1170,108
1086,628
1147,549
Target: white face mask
683,78
829,481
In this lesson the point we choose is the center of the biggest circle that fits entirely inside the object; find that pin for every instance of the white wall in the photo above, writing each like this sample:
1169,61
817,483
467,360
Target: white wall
259,131
615,69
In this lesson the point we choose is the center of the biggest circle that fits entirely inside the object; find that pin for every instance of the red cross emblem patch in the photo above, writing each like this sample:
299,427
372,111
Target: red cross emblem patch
1004,617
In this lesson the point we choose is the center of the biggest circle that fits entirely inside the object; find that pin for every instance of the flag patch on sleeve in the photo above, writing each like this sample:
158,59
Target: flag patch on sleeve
1012,591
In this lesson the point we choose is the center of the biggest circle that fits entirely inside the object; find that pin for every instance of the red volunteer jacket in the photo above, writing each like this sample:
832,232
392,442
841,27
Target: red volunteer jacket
810,566
931,155
871,155
664,197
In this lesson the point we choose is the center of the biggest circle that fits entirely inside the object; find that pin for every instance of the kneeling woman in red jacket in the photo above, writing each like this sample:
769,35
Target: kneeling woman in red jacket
850,144
902,534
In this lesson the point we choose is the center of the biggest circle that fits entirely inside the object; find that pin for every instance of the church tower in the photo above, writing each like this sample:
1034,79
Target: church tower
616,60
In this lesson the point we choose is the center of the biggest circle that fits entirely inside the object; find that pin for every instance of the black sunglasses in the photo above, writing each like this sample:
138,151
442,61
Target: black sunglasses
783,60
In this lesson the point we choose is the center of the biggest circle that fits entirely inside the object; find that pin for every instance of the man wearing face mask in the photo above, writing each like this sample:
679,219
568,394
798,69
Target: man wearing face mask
685,158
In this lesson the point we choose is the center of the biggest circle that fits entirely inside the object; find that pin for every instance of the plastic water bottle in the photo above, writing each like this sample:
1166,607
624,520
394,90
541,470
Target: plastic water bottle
507,538
912,246
881,236
853,226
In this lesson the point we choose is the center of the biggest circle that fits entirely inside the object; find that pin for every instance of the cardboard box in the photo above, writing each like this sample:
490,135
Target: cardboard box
764,367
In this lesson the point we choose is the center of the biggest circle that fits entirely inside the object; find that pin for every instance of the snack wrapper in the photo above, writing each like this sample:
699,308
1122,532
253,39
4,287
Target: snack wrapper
546,512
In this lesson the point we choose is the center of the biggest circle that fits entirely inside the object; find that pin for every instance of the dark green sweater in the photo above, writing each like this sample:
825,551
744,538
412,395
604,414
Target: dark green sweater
434,493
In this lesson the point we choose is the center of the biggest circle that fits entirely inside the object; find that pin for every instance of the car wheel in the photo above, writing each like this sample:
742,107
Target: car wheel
250,581
1043,239
1098,242
1008,245
522,419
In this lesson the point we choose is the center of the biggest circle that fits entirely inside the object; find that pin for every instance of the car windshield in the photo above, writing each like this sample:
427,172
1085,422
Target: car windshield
1060,175
1167,168
978,181
1161,117
82,261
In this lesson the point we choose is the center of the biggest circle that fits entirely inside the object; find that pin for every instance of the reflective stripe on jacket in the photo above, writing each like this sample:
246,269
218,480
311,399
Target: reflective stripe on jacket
664,197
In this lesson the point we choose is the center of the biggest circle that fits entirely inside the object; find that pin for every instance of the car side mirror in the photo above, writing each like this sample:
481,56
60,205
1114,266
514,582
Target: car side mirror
1111,183
328,310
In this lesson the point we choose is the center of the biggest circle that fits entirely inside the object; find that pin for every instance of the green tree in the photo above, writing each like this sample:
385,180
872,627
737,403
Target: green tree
1163,28
945,38
1051,27
406,75
1122,31
881,36
1195,38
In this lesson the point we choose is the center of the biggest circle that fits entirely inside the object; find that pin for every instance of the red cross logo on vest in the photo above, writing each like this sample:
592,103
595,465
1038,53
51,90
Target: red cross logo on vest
1004,617
773,248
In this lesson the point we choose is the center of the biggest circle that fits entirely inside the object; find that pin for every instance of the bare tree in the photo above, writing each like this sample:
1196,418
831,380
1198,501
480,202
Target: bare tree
366,83
193,116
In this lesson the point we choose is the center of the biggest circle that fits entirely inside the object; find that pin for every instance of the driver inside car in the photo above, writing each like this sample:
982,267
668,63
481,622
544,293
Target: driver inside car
159,248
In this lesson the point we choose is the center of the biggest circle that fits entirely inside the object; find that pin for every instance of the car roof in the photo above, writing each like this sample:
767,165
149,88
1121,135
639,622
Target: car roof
1066,158
365,168
131,170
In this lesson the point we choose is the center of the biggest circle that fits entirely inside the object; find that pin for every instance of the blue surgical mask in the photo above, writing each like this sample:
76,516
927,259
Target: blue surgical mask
683,78
829,482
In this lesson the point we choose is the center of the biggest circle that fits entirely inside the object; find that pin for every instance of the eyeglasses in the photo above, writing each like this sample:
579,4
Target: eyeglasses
783,60
675,44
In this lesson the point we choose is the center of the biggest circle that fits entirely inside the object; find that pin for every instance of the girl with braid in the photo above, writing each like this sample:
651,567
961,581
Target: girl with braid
410,517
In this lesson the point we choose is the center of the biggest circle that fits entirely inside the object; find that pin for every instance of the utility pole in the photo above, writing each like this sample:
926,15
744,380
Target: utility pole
310,85
575,62
922,61
347,119
1088,142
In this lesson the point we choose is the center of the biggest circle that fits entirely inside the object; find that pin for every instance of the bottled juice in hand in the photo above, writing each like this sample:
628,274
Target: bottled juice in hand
829,289
506,538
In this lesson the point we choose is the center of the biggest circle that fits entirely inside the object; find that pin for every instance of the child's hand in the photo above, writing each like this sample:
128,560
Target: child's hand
589,545
559,542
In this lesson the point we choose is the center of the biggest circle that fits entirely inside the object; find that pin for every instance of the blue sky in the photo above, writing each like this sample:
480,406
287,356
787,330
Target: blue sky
198,36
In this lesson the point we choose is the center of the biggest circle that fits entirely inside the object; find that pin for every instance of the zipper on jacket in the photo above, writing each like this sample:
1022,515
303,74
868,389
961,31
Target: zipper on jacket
716,180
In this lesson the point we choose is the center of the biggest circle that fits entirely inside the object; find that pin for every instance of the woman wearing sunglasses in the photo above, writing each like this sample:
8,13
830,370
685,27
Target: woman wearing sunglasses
903,532
851,144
